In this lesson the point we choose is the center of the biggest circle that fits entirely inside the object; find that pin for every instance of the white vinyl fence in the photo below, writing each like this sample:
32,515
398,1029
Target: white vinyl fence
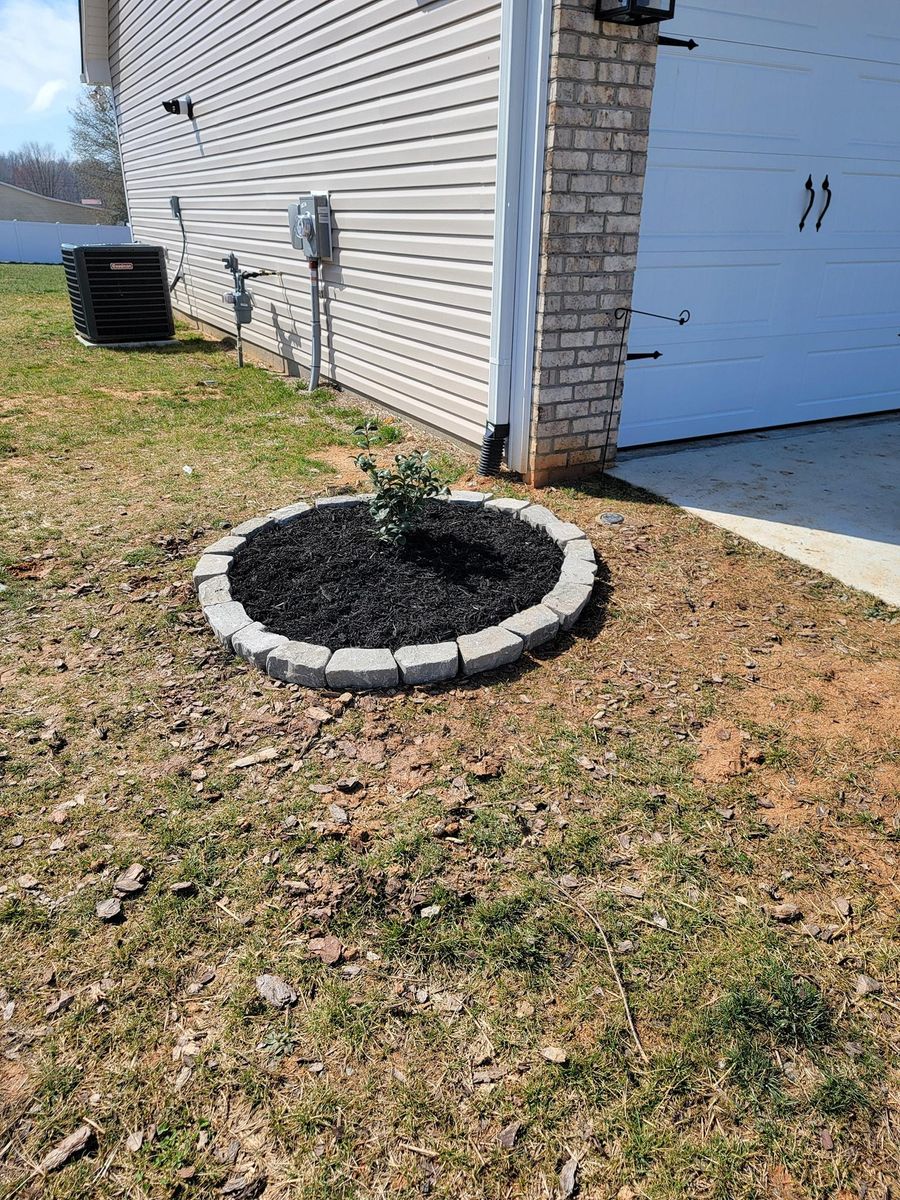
40,241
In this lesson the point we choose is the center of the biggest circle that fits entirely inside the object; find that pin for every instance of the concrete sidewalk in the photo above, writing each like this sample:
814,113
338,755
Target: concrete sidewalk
826,495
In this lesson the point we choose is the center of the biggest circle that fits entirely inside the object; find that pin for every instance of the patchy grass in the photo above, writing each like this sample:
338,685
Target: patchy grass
716,740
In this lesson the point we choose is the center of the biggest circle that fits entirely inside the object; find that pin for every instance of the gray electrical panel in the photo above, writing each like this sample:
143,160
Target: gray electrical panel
310,221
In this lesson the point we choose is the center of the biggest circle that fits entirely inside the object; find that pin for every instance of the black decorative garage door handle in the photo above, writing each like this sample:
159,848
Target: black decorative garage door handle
812,199
826,187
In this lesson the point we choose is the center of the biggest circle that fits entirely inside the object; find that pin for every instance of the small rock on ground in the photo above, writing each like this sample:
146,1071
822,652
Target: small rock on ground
275,991
109,910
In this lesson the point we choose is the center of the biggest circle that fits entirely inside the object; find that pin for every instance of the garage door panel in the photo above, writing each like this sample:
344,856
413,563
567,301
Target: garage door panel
724,95
850,373
767,23
695,390
865,208
871,31
668,283
854,292
863,30
878,89
742,199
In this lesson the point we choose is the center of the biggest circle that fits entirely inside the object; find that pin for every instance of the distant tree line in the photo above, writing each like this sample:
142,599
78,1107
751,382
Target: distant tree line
92,171
41,169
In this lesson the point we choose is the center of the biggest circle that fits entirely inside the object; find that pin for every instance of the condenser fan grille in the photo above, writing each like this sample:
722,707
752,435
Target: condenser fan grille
119,293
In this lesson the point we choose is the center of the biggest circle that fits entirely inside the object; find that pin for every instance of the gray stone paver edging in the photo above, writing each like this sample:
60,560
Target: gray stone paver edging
431,663
282,516
534,625
312,666
299,662
226,545
354,667
488,649
255,643
214,591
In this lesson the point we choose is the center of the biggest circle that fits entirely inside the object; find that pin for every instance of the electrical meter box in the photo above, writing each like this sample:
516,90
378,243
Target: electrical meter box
310,220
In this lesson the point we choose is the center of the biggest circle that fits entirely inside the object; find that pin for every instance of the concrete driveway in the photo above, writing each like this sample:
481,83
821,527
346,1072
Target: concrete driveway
826,495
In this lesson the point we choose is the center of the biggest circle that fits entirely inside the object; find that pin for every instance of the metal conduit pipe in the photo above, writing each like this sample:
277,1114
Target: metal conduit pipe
315,359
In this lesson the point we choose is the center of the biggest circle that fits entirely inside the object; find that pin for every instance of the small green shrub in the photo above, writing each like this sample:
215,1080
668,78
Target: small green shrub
401,491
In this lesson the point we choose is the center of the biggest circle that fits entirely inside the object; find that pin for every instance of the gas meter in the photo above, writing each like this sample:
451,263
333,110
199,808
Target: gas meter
239,298
310,222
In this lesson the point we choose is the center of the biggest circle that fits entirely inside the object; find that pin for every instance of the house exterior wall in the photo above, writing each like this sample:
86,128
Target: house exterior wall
601,86
18,204
392,108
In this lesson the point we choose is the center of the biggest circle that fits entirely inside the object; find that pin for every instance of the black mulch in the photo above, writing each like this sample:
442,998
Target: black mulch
327,579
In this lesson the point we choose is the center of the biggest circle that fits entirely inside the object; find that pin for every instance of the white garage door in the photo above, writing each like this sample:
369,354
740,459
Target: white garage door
787,326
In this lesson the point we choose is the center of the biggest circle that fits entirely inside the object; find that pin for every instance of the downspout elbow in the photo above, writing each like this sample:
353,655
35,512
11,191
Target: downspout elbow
493,446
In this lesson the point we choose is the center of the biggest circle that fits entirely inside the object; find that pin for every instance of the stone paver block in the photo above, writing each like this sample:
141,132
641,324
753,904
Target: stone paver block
580,549
429,663
255,643
576,570
343,501
226,620
226,545
290,512
534,625
209,566
488,649
537,515
461,496
507,504
568,601
354,667
254,525
214,591
564,532
299,662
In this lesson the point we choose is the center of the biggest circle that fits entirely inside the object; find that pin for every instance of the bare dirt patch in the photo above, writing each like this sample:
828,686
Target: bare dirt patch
721,753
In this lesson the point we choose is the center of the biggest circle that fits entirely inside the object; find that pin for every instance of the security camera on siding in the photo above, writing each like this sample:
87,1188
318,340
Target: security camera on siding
179,106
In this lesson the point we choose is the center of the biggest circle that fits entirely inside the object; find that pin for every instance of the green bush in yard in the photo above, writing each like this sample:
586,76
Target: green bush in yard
401,491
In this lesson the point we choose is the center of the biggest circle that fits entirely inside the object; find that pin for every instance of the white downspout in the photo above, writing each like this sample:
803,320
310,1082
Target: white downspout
521,137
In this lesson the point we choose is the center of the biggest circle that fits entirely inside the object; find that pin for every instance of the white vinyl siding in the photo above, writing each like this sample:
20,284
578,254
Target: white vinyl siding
389,105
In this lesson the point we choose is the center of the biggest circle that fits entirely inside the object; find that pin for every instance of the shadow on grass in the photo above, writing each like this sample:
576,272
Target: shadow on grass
192,345
606,487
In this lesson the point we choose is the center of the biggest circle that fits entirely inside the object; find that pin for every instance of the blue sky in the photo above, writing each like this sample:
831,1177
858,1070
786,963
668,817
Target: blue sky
39,68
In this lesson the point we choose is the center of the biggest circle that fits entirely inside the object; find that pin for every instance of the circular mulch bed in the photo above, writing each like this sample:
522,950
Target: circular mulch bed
311,596
328,579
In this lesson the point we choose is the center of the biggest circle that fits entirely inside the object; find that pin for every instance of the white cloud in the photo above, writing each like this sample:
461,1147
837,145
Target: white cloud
46,94
39,57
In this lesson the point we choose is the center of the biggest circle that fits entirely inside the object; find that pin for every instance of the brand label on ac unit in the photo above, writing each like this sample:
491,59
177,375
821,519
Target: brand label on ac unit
121,266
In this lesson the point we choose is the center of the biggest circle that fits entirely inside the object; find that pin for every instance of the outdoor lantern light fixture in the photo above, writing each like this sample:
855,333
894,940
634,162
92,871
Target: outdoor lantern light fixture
634,12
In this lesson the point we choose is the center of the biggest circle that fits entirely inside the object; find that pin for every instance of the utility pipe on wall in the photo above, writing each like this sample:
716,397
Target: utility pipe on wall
315,359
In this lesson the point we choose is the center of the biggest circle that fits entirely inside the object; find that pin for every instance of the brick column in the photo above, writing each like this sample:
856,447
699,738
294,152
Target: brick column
601,85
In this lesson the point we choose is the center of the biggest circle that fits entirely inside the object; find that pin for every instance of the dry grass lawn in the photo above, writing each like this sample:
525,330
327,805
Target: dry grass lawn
695,795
